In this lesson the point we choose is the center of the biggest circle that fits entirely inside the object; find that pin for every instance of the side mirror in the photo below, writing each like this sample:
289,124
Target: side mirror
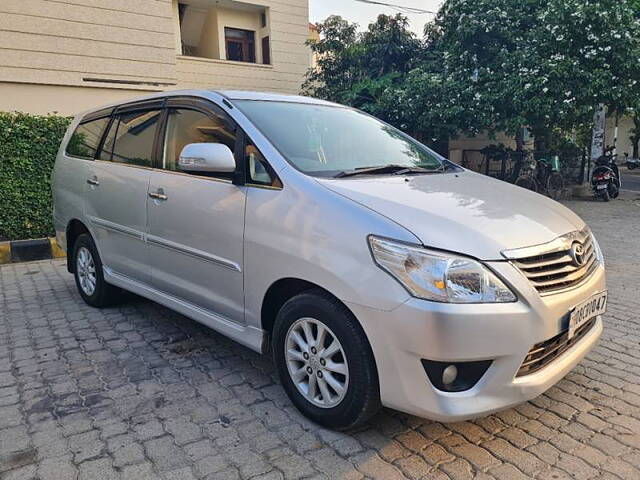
207,157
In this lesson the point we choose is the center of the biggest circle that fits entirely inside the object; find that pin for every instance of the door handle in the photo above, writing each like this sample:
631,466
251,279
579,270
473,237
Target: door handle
159,195
93,181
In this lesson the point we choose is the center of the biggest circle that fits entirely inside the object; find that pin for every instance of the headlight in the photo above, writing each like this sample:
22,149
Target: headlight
439,276
596,247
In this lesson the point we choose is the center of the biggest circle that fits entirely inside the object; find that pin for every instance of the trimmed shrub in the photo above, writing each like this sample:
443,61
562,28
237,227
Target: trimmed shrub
28,147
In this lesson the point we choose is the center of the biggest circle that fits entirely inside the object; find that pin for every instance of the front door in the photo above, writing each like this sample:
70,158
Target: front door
116,196
196,223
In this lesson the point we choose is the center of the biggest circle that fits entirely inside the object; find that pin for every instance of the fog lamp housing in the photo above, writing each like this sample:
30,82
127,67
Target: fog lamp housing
455,376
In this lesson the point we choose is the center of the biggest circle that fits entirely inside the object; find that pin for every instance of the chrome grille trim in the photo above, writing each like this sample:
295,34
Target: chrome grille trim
551,267
543,353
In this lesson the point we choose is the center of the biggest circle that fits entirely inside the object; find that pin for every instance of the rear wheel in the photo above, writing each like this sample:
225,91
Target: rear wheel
614,190
89,276
325,361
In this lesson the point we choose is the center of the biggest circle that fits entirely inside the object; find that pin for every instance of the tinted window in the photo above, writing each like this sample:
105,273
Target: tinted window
107,146
190,126
86,138
130,139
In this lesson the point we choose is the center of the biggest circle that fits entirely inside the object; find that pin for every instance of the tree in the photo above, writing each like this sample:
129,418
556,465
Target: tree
496,65
545,64
335,73
359,69
634,110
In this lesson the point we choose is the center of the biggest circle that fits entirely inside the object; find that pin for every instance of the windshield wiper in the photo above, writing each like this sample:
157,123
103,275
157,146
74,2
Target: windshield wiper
386,169
408,170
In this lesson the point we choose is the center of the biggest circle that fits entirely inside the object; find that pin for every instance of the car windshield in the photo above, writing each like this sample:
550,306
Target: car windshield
329,141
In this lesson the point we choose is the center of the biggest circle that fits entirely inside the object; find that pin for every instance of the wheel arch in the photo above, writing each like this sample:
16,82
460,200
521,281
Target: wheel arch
75,228
280,291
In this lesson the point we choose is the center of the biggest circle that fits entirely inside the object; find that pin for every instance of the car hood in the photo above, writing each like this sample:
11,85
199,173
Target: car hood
463,212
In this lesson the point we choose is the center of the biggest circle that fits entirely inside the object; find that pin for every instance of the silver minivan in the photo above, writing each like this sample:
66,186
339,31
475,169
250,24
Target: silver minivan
375,271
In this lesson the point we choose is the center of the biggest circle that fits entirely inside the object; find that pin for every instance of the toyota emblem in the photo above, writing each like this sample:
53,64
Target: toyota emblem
577,254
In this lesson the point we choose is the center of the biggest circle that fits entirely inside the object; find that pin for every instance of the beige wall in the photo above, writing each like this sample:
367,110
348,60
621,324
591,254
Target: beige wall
458,145
625,125
242,20
209,43
288,22
92,43
58,99
66,43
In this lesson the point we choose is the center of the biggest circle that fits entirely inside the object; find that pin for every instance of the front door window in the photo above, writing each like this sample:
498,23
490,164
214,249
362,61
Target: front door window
186,126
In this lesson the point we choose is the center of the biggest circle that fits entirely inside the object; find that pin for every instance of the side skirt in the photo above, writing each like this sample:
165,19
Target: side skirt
250,337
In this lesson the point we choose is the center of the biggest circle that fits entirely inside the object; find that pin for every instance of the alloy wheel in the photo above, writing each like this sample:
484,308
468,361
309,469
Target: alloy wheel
316,362
86,269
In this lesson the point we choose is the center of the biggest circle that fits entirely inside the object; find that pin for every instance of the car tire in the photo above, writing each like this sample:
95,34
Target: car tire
89,275
342,389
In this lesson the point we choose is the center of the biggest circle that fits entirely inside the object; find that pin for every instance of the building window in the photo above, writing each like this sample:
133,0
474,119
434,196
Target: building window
222,30
266,51
240,45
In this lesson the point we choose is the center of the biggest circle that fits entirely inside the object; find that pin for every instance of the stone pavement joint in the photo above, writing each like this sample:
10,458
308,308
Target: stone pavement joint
141,392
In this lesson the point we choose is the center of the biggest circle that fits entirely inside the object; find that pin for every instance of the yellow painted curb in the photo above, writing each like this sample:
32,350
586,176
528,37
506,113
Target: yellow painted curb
56,251
5,252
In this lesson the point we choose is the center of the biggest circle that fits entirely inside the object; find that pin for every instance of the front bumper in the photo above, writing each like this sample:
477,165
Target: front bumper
503,333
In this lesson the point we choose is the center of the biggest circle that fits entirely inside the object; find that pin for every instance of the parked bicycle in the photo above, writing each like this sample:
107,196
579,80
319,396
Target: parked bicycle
541,176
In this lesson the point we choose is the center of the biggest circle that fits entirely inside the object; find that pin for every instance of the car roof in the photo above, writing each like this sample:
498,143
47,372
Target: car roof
269,96
230,95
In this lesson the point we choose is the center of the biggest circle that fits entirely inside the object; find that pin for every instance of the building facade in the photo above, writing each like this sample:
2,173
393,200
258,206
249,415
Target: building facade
65,56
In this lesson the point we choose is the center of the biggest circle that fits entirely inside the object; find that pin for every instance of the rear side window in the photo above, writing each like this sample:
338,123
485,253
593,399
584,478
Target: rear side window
85,139
130,138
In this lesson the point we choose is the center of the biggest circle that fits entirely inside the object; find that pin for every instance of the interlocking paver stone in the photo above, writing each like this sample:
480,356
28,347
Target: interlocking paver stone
138,391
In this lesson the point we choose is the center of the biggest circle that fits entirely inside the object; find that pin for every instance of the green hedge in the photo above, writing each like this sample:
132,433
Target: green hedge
28,147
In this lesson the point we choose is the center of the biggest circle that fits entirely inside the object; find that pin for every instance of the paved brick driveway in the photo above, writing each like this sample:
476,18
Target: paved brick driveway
141,392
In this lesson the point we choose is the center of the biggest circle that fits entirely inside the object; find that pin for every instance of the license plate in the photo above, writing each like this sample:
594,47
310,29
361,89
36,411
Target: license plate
601,187
585,311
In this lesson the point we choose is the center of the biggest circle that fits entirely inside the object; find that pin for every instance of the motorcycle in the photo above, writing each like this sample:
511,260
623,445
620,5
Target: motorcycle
605,178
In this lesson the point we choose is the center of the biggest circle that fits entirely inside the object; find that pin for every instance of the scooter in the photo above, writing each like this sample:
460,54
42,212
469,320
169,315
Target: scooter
605,179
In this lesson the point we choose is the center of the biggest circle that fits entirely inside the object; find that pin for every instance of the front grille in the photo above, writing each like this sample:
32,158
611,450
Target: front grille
543,353
557,269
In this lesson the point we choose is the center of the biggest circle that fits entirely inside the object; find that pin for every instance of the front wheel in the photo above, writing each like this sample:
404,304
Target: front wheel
87,270
325,362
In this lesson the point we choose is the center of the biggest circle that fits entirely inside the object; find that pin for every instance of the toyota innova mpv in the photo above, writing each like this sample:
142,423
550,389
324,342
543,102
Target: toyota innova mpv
373,270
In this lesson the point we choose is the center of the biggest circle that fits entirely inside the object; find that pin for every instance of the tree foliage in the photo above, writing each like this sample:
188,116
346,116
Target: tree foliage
495,65
359,68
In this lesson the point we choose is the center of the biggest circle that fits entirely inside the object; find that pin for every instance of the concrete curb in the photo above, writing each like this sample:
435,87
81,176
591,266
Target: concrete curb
30,250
